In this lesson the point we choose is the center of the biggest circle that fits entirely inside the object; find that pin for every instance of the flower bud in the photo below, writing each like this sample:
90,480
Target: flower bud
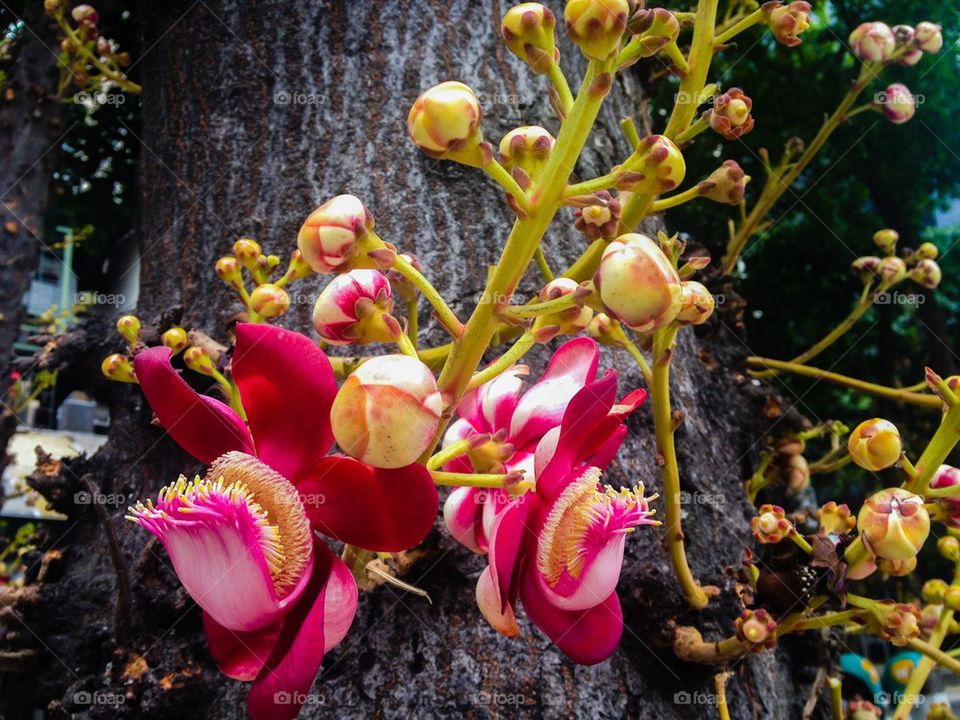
726,184
756,627
638,285
118,368
770,525
298,268
199,360
926,273
894,524
248,252
928,37
836,519
904,35
228,270
84,15
948,476
129,328
355,308
730,115
599,220
176,339
655,167
897,568
896,623
893,270
927,251
875,444
886,240
444,122
329,235
566,322
696,303
527,29
867,267
387,411
796,473
527,148
951,597
934,590
603,329
654,29
872,41
788,22
898,103
269,300
862,710
949,547
596,26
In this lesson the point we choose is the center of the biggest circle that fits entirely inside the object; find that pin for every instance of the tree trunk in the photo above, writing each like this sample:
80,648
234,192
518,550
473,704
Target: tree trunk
253,114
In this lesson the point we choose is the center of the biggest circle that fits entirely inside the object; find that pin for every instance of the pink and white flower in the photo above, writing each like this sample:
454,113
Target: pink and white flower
243,539
355,308
873,41
899,105
559,549
329,235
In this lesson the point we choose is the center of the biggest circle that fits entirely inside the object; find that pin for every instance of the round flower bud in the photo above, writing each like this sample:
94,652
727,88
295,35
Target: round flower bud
248,252
756,627
934,590
873,41
866,267
898,103
897,623
796,472
387,411
199,360
896,568
770,525
948,476
329,235
928,37
596,26
603,329
176,339
444,122
904,35
298,268
129,328
566,322
696,303
228,270
836,519
951,597
892,269
726,184
927,251
527,148
599,219
926,273
269,300
875,444
863,710
655,167
654,30
730,115
787,22
118,368
84,15
638,285
355,308
886,240
894,524
527,29
949,547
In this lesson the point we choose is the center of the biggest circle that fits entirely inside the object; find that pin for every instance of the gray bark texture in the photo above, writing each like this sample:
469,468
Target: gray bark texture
224,156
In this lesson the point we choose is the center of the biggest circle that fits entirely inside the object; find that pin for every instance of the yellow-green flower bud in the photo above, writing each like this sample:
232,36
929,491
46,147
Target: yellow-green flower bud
894,524
926,273
934,590
927,251
176,339
527,148
198,360
655,167
949,547
727,184
269,300
528,30
565,322
875,444
596,26
897,568
758,628
897,623
444,122
886,240
228,270
298,268
118,367
893,269
951,597
129,328
248,252
696,303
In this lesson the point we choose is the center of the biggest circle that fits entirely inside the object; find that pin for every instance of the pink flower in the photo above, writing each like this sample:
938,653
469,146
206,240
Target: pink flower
515,422
948,476
898,102
243,539
355,308
560,549
872,41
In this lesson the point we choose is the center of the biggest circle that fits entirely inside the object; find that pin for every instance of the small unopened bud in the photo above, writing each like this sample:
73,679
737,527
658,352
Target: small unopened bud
655,167
696,303
951,597
655,29
796,472
910,53
928,37
866,267
199,360
444,122
596,26
758,628
787,22
862,710
893,269
602,329
836,519
926,273
894,524
527,148
949,547
927,251
599,220
770,526
933,590
355,308
129,328
897,623
873,41
103,46
638,285
329,235
727,184
948,476
896,568
176,339
228,270
898,103
387,411
730,115
118,367
298,267
84,15
269,300
50,6
248,252
528,30
886,239
875,444
565,322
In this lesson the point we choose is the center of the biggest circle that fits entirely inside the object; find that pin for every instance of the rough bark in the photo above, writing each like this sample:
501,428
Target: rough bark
222,158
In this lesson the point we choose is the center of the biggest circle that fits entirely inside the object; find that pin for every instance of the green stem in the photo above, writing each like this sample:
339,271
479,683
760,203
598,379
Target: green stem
720,685
897,394
560,84
479,480
674,200
406,346
451,452
499,174
744,23
546,307
413,320
356,559
629,128
543,265
446,316
936,452
604,182
691,132
921,672
936,654
504,362
676,57
801,542
836,697
830,619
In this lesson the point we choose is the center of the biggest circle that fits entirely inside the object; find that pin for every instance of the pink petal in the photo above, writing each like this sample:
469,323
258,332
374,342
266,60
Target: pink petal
372,508
204,427
587,636
240,655
499,397
510,530
503,620
317,623
542,407
459,430
461,515
595,583
287,387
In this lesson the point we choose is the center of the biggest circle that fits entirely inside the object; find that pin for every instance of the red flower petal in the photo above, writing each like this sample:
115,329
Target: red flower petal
204,427
372,508
240,655
506,542
317,623
287,387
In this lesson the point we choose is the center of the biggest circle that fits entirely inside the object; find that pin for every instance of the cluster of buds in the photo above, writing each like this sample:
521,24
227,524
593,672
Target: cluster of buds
894,524
919,265
119,367
897,623
727,184
787,22
655,167
835,519
269,299
528,30
444,122
356,308
913,42
525,151
730,115
596,26
770,525
875,444
563,322
758,628
599,217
